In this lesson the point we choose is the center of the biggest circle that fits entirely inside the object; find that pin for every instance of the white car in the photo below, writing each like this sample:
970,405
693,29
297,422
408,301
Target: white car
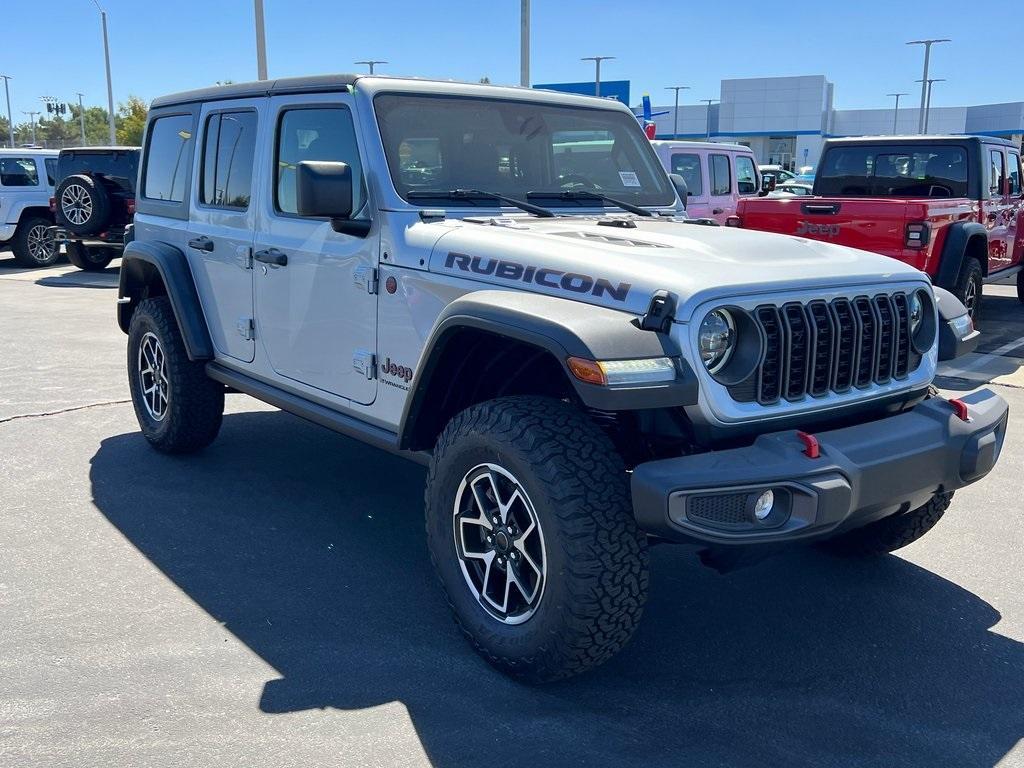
26,185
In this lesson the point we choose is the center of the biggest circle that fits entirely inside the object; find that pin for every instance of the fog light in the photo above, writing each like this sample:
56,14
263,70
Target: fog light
764,504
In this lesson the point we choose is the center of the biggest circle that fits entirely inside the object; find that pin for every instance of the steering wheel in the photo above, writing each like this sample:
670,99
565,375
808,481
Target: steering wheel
573,180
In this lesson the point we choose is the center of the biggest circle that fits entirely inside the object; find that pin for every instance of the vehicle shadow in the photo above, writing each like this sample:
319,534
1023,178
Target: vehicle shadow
107,278
310,548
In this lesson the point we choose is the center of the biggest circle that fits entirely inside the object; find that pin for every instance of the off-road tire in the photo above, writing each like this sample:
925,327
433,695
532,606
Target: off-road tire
597,560
88,258
95,198
195,402
970,272
24,243
892,533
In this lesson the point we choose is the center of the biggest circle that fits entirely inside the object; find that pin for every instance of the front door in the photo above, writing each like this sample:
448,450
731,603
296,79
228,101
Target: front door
690,166
222,221
721,197
315,309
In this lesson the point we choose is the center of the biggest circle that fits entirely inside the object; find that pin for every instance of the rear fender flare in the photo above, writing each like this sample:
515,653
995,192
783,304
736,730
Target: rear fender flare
954,251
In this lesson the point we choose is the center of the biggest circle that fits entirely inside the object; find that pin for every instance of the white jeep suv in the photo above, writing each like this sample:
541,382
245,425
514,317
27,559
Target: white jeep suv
26,184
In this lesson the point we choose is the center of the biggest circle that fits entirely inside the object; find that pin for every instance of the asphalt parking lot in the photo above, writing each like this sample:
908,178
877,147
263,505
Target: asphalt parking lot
271,601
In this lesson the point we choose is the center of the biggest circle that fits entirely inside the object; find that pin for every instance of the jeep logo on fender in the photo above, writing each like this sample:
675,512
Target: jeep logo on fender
549,278
807,228
398,371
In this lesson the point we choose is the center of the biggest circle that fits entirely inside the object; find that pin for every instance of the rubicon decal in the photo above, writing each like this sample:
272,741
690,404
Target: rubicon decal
575,282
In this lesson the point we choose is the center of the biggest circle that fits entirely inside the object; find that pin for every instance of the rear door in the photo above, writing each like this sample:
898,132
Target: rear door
690,166
220,231
997,210
1015,234
720,192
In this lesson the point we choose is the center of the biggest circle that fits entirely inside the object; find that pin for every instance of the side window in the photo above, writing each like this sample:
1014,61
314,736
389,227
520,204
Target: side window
1016,175
325,133
688,166
996,174
721,178
168,156
51,170
746,175
229,148
18,172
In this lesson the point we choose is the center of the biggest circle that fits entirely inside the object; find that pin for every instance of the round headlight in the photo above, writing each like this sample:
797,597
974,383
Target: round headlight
716,339
916,312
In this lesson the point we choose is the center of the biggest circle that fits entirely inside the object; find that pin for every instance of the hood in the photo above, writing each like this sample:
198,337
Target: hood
590,259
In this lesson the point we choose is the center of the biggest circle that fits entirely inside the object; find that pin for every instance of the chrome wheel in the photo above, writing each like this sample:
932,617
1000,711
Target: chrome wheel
155,387
40,244
499,543
971,297
76,204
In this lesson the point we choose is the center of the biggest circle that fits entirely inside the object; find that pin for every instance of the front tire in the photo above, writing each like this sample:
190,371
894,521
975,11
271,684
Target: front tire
892,533
32,246
531,532
89,259
178,406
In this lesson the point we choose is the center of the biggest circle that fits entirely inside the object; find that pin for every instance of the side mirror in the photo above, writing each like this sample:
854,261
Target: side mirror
768,184
324,189
681,189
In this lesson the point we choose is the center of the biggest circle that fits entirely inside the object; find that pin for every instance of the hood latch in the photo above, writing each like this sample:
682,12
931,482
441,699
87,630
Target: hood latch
659,312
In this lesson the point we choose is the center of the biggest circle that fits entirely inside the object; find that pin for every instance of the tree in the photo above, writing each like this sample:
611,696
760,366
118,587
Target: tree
131,121
485,80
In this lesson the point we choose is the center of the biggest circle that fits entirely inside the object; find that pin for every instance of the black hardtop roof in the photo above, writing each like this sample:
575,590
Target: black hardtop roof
943,139
309,84
98,150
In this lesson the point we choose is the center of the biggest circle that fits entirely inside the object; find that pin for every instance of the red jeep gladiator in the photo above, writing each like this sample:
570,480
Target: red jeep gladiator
952,206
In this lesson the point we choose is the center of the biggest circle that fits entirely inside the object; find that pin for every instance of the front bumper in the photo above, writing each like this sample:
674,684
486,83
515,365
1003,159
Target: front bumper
864,473
7,232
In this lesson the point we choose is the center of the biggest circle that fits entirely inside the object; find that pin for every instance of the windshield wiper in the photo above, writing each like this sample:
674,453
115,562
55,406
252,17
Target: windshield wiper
586,194
470,194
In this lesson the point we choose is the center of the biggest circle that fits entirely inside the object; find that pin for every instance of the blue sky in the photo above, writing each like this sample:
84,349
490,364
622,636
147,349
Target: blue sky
159,46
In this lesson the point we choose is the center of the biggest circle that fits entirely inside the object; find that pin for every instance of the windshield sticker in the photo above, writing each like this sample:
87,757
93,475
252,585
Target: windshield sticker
629,179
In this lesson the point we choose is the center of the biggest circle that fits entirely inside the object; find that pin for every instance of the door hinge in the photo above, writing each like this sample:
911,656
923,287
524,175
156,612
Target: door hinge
244,253
246,328
365,363
365,277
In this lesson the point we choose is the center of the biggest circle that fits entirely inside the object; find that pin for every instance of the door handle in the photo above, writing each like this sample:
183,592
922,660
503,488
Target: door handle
201,244
271,256
717,211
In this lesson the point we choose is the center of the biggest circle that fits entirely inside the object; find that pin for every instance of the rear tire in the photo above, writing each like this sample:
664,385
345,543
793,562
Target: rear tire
968,288
568,559
892,533
178,406
90,259
31,246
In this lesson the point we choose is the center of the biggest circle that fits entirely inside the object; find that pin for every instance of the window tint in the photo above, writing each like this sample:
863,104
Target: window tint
688,166
1016,175
229,147
51,170
167,158
997,173
18,172
721,178
893,171
316,134
746,175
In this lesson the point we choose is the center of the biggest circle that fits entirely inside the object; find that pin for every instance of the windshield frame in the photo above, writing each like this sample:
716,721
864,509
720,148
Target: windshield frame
643,146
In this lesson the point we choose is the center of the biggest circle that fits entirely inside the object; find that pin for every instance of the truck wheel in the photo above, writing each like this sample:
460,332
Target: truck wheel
968,288
892,533
83,205
178,407
532,535
31,245
90,259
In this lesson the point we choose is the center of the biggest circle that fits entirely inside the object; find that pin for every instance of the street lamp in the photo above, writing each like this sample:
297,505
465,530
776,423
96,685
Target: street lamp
675,119
597,70
924,85
524,44
110,87
81,117
896,112
370,63
709,102
32,117
10,119
261,41
928,100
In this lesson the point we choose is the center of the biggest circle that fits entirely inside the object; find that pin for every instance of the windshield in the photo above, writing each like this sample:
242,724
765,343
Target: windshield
445,143
893,171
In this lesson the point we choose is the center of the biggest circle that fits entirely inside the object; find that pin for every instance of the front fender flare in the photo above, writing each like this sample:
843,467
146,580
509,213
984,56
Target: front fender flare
146,261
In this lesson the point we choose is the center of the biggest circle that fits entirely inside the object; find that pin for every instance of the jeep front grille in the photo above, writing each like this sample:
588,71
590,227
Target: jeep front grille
818,347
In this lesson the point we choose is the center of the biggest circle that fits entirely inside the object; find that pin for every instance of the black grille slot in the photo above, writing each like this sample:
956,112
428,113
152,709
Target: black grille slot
820,347
720,511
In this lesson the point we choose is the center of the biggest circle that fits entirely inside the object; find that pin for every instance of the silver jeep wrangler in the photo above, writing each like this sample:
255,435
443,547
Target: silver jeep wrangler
503,285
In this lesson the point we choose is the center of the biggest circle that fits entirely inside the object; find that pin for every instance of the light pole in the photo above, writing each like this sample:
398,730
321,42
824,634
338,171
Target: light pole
32,117
675,118
261,41
924,78
896,112
597,70
110,87
524,44
10,119
709,102
928,100
81,117
370,63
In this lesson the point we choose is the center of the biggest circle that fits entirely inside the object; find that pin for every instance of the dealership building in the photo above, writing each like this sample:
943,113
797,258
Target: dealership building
786,119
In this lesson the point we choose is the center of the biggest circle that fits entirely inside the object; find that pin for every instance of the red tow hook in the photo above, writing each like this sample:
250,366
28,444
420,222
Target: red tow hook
960,408
812,449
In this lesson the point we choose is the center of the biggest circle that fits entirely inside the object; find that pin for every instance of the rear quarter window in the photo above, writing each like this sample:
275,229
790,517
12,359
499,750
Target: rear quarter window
18,172
168,158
